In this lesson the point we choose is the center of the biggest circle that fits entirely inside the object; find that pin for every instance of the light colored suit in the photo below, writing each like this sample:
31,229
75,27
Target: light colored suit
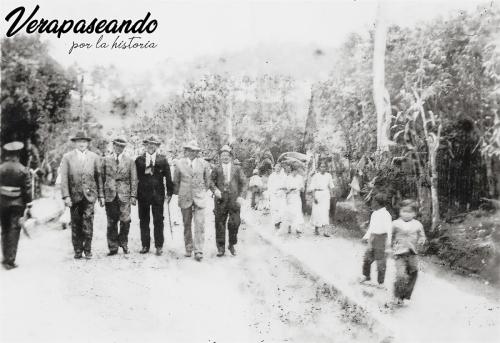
120,185
81,178
119,179
191,182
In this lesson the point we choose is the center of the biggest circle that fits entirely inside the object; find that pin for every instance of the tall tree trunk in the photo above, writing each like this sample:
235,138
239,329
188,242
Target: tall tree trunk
380,93
434,186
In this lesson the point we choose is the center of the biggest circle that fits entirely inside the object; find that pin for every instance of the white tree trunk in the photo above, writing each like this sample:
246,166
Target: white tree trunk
380,93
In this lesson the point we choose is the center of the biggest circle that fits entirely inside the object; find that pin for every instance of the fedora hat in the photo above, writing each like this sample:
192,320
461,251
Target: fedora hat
120,141
13,146
152,139
192,145
81,136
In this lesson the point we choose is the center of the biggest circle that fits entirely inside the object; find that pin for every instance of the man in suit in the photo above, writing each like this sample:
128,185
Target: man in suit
153,173
15,195
192,179
228,183
120,191
81,186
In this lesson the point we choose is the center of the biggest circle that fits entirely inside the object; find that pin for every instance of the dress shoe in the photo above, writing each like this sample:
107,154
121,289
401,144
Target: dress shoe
88,255
159,251
326,234
78,255
113,252
198,256
188,254
125,250
9,265
220,253
144,250
231,249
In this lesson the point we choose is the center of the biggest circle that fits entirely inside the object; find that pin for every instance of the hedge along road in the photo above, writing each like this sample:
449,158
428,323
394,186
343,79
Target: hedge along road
256,296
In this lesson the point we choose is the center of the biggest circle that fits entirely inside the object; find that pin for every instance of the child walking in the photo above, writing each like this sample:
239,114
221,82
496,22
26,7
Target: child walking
378,238
407,235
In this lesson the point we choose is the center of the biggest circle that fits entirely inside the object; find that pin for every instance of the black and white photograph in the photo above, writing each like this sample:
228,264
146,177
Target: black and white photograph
250,171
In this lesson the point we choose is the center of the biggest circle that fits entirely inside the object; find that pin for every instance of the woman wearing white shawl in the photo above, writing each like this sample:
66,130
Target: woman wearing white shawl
321,188
277,195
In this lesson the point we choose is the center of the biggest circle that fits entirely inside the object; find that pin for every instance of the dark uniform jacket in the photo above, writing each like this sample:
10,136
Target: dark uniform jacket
151,188
119,179
234,188
15,184
81,178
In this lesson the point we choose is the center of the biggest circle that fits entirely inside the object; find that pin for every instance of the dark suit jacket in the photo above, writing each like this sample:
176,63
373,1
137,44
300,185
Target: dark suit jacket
119,179
151,188
232,190
81,178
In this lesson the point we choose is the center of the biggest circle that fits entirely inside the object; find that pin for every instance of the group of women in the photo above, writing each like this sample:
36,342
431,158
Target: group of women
285,186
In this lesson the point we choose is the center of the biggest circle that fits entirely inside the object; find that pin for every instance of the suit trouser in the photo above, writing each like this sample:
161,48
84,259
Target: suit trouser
406,274
11,228
117,211
82,221
144,218
224,212
198,214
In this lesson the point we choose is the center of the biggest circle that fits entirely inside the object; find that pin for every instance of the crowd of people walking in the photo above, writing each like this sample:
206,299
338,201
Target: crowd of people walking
117,182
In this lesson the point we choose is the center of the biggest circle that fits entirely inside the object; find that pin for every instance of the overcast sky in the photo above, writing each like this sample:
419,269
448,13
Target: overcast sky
189,29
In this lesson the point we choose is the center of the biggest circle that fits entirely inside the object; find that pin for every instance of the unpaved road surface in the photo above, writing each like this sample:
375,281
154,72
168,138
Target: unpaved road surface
257,296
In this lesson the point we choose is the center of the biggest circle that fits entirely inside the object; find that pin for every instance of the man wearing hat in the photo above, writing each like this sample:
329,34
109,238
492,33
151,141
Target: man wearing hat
228,184
120,191
153,173
81,186
192,180
15,194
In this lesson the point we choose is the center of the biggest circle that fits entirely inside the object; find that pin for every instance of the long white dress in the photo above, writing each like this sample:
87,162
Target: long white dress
277,196
321,184
295,218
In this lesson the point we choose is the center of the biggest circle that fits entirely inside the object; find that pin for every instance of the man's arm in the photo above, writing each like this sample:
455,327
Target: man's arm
98,176
177,178
64,170
133,179
26,187
168,179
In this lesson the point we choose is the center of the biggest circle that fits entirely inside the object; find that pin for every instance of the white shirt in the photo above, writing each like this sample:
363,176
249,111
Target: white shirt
380,222
81,154
150,159
226,167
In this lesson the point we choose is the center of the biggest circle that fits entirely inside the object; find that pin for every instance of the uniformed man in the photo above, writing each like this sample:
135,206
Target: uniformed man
81,186
120,191
15,195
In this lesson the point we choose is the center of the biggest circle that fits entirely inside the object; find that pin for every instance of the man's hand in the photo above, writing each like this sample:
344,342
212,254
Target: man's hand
169,198
67,201
316,200
101,202
218,194
364,240
133,201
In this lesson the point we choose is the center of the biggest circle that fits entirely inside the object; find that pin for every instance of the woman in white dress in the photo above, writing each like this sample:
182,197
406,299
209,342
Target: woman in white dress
277,196
321,188
294,186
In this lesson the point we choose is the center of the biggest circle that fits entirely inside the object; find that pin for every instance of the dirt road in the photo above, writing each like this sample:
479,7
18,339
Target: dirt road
257,296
